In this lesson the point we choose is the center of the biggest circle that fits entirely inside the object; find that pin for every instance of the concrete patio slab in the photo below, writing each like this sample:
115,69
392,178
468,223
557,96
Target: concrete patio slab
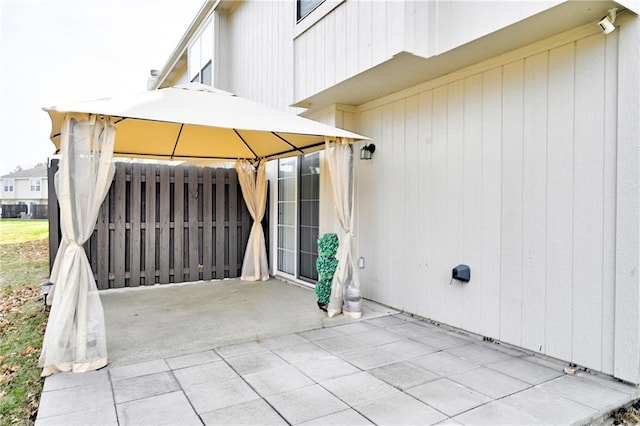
278,380
403,375
256,412
126,390
305,404
360,388
341,418
448,397
548,407
192,359
400,409
490,382
170,408
164,321
321,375
203,373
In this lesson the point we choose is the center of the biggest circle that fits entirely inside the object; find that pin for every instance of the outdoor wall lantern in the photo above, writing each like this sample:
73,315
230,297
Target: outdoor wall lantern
366,152
461,273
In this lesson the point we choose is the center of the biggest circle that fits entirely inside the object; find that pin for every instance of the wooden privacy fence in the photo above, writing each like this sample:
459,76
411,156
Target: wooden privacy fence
13,210
164,224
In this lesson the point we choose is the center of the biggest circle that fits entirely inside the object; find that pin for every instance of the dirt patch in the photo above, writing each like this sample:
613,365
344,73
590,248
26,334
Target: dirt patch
629,415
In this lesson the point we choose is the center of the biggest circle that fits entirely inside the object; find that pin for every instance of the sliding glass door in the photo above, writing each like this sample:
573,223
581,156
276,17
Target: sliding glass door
298,216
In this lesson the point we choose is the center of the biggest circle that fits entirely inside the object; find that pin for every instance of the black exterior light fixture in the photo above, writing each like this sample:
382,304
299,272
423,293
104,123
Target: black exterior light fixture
366,152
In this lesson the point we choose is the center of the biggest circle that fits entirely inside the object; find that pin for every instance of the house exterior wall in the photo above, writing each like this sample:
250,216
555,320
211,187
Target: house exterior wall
513,170
260,59
524,166
22,192
357,35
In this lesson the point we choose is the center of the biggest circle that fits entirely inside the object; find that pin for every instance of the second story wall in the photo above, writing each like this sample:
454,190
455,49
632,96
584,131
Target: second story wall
24,189
396,43
358,35
260,54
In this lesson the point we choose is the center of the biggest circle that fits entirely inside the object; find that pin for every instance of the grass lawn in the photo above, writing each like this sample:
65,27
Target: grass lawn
24,264
21,230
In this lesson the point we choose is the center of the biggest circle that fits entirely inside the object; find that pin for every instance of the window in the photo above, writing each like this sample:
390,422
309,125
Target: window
205,74
309,12
287,215
309,211
8,185
35,185
200,57
305,7
298,216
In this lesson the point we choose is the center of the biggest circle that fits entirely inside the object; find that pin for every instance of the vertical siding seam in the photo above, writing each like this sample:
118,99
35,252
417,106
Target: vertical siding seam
604,190
430,248
522,193
604,213
573,198
500,197
482,188
546,199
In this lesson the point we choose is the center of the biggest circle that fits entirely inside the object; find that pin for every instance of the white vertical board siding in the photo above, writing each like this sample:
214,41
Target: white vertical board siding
410,169
588,210
609,213
255,72
455,197
627,268
559,223
534,201
513,171
365,33
397,210
438,205
423,192
491,167
471,168
512,199
352,38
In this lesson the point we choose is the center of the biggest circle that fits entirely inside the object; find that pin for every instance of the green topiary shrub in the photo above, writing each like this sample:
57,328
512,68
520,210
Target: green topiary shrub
328,245
326,266
323,291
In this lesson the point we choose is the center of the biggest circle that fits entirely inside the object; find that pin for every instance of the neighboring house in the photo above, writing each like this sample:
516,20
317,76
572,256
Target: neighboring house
25,193
507,138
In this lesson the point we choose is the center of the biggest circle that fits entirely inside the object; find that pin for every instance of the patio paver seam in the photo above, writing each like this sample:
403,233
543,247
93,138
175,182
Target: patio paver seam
251,386
184,393
113,396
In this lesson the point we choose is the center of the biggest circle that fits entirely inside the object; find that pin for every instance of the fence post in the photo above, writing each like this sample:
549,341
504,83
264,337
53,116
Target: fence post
54,212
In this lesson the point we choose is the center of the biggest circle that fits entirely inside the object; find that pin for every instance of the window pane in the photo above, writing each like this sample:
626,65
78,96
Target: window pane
206,74
306,6
308,266
287,167
287,189
309,189
286,213
206,48
194,59
285,261
310,163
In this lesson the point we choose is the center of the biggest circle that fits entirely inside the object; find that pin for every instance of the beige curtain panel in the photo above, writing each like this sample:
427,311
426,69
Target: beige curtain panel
255,266
346,297
75,337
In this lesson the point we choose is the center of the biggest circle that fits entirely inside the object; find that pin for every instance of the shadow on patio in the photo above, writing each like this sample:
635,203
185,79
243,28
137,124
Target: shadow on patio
148,323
